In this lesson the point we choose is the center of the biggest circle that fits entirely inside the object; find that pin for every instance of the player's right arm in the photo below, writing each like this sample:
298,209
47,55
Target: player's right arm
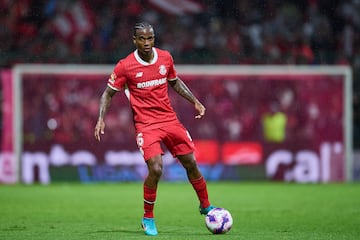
105,102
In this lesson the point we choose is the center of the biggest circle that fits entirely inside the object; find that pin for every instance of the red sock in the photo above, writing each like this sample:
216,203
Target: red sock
199,186
149,201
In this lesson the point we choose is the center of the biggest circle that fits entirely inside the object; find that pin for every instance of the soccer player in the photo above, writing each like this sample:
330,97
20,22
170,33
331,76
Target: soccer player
145,75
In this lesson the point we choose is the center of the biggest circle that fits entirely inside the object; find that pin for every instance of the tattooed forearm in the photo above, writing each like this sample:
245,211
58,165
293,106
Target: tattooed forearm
105,102
180,87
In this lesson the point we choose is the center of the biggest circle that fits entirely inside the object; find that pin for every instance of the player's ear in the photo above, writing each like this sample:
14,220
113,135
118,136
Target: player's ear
134,40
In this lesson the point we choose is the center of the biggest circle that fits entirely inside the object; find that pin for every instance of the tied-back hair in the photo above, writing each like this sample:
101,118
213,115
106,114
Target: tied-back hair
141,25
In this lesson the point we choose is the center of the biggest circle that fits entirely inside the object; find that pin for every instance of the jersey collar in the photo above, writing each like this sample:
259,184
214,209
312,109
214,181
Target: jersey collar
138,58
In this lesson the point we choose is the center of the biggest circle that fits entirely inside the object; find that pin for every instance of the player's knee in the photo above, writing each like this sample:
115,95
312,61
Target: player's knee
156,171
190,166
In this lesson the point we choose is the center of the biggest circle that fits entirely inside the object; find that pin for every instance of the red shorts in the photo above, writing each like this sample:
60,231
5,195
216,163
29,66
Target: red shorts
175,137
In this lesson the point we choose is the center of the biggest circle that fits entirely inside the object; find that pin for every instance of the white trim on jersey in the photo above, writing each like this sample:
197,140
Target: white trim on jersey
127,92
112,87
142,62
172,79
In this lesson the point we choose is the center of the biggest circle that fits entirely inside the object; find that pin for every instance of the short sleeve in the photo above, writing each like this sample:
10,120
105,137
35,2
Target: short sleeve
172,71
117,79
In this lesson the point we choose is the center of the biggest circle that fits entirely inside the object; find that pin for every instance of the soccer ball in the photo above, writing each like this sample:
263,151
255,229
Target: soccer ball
218,220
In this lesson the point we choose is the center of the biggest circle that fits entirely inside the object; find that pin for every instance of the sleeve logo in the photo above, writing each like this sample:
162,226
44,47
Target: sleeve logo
112,78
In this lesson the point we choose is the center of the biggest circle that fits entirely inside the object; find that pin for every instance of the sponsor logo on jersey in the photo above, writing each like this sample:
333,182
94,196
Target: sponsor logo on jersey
151,83
162,69
139,74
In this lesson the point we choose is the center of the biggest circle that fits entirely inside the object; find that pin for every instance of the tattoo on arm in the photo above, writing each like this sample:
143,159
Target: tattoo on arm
180,87
105,102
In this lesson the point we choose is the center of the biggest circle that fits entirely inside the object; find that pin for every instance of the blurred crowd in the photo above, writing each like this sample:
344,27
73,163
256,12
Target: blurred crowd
63,110
223,32
230,32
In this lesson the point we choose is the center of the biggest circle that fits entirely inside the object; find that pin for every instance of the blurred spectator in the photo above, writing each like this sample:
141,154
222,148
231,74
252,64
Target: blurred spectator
237,32
217,32
274,123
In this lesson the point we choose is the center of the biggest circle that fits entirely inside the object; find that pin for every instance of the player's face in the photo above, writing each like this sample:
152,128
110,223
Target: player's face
144,40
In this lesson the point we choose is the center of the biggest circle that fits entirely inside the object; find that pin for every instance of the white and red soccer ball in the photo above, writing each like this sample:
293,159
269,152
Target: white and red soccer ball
218,221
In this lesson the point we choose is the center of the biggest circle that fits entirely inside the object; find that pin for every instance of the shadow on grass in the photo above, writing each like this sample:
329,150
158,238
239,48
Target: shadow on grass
118,231
141,232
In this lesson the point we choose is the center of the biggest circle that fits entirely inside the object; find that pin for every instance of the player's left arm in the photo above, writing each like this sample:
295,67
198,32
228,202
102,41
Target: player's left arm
180,87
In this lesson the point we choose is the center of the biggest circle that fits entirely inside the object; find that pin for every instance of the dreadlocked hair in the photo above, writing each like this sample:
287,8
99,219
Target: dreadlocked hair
141,25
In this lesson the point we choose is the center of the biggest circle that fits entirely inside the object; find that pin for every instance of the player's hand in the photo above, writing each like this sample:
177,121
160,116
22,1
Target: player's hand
200,108
99,129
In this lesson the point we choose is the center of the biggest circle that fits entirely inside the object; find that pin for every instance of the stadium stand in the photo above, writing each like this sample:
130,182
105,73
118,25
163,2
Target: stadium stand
313,32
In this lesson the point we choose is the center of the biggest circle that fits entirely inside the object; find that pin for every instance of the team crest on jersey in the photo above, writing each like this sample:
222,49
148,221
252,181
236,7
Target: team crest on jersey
162,70
112,78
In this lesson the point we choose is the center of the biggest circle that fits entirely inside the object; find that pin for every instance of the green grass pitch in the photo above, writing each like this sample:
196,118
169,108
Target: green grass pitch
113,211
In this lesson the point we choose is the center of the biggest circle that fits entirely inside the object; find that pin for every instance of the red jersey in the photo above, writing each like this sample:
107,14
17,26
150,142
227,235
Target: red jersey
146,87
